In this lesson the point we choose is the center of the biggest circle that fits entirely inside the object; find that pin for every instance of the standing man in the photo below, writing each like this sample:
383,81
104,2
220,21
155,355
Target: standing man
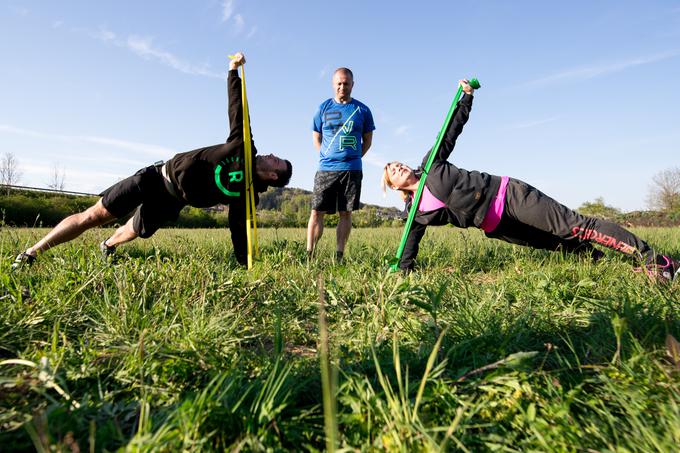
342,133
201,178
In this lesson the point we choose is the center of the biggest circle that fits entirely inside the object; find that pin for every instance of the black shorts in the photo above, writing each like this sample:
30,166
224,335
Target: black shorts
337,191
146,192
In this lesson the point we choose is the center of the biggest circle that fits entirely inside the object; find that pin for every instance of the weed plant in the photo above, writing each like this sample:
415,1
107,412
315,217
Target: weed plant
486,347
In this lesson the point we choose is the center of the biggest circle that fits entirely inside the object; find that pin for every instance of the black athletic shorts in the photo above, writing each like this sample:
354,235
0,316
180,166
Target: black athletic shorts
146,192
337,191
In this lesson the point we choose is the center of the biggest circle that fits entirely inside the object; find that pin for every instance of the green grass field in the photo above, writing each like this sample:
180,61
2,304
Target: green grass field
488,347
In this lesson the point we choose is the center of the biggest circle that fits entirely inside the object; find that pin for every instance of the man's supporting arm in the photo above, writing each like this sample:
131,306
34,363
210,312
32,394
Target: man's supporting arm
237,226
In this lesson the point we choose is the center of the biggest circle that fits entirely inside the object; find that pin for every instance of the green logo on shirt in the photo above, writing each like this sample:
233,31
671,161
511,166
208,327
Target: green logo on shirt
234,176
348,141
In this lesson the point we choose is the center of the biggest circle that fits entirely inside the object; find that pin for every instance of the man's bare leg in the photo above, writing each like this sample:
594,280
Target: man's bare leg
314,230
122,235
72,227
342,233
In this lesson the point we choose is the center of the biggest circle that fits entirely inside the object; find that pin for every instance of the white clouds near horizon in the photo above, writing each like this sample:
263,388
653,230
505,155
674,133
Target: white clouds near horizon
153,151
596,70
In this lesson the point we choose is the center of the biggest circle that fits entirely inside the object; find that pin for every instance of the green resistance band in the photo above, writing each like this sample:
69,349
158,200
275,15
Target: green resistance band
394,263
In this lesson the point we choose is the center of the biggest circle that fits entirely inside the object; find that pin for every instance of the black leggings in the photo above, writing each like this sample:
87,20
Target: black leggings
534,219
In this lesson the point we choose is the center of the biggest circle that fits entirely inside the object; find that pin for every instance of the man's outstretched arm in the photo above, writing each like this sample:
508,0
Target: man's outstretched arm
235,101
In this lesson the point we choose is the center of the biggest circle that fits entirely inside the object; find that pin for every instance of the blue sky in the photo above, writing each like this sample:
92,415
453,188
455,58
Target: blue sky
581,98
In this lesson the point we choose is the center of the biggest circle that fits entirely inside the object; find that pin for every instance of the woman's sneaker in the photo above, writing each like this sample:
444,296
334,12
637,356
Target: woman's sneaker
23,259
670,269
663,269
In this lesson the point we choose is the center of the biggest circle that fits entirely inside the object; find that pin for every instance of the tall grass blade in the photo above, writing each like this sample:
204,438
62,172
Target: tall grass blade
328,376
428,368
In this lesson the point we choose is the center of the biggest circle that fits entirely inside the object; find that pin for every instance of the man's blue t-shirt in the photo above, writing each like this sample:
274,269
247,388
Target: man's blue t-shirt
342,127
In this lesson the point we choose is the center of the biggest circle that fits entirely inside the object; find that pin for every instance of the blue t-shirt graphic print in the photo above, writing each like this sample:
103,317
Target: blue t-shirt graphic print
342,127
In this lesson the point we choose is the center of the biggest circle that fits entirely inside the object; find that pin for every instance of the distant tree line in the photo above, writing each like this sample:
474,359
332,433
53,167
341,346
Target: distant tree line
290,207
598,208
663,197
664,191
280,207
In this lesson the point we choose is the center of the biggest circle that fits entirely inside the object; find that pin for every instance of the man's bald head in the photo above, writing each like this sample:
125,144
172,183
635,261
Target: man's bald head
343,82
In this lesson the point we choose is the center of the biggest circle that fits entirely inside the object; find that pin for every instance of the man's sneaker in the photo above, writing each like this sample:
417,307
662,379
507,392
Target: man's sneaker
107,251
23,259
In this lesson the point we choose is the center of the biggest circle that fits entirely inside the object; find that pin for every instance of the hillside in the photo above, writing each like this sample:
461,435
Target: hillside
278,207
297,203
287,207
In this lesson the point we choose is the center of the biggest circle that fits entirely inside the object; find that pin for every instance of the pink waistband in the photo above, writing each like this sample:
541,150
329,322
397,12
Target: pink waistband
495,211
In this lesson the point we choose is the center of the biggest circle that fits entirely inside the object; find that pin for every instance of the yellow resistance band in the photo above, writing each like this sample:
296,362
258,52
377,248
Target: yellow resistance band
251,219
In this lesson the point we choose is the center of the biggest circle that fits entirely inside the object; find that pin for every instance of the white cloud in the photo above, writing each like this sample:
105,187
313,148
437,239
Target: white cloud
19,131
239,23
77,177
145,49
104,35
20,11
237,20
402,130
153,151
534,123
145,148
227,9
382,117
324,71
375,159
589,72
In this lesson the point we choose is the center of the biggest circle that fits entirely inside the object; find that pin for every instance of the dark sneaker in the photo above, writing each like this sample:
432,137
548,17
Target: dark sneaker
596,255
309,257
23,259
664,269
670,269
107,251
